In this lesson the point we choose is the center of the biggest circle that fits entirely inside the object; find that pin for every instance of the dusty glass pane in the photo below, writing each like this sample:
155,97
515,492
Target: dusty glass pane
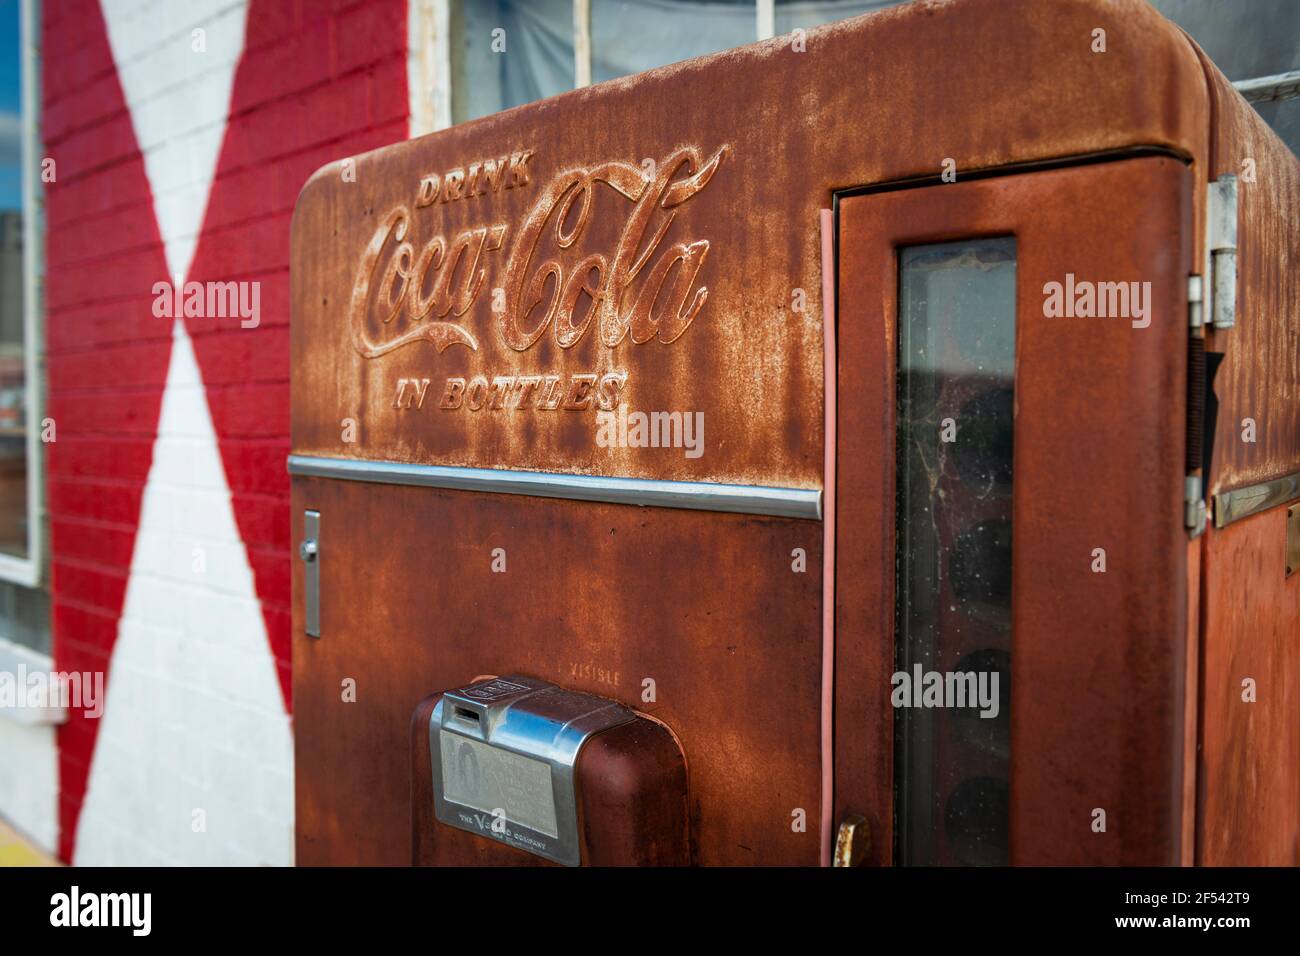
956,377
13,381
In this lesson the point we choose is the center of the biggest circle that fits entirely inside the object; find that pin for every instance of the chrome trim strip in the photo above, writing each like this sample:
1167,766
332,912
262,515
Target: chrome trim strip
1230,506
697,495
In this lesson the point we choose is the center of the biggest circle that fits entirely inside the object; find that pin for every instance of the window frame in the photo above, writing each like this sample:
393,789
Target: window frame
28,571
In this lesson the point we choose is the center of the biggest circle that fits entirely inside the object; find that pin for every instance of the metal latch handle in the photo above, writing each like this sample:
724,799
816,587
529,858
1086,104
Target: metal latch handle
309,551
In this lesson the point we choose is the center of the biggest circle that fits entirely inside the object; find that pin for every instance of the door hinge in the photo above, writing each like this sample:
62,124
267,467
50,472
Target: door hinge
1221,251
1193,506
1193,500
1195,302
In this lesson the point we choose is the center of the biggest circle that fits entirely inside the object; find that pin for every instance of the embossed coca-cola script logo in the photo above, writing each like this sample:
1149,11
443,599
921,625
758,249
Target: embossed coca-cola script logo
408,292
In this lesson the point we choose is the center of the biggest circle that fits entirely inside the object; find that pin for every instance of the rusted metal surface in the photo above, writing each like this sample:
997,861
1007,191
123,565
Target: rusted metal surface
595,597
633,808
1097,714
1260,376
738,151
1248,790
1250,732
1191,701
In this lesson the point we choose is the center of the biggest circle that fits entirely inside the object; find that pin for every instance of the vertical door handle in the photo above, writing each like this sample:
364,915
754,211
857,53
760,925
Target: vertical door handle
309,551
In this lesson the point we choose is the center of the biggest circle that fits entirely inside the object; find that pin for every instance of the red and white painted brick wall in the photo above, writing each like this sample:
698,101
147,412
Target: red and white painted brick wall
167,492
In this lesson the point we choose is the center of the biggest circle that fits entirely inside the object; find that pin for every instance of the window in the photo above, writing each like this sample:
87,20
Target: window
23,610
505,53
956,370
631,36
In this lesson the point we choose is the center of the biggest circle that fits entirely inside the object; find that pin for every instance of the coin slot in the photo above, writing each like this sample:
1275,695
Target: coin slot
464,713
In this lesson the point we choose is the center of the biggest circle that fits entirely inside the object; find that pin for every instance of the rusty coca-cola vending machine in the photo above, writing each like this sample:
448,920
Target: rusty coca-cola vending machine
780,459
